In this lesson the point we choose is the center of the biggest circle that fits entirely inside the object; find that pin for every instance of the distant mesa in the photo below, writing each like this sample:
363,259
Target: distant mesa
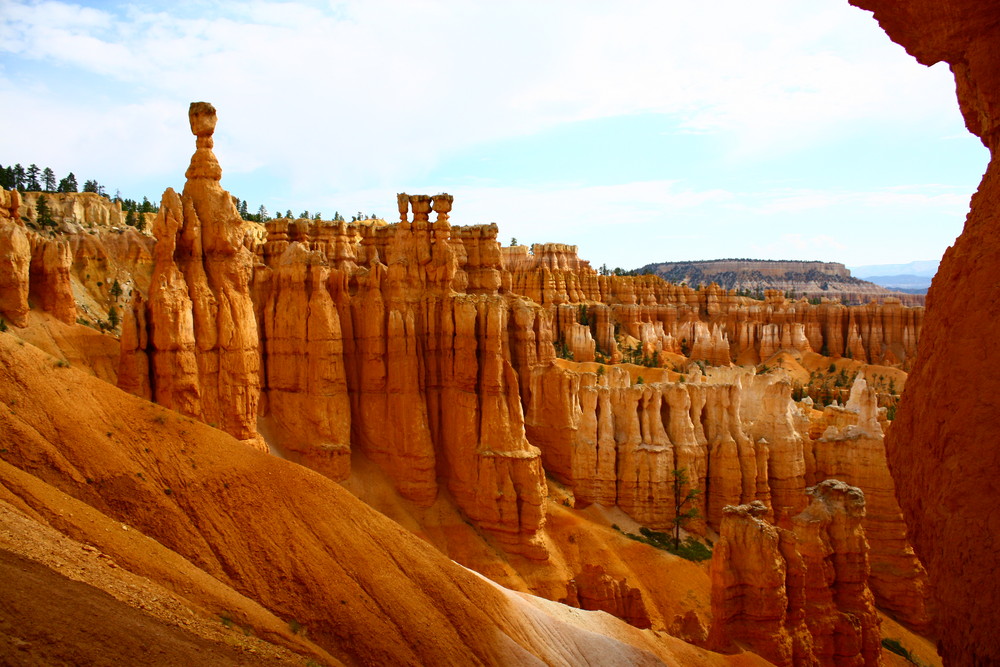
810,279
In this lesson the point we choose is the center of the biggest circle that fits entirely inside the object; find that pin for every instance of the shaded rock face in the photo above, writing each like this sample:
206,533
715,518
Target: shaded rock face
798,596
942,446
32,265
854,452
51,261
593,589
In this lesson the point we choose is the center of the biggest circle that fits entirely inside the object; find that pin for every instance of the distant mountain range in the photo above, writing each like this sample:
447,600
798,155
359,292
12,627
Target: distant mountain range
798,278
913,277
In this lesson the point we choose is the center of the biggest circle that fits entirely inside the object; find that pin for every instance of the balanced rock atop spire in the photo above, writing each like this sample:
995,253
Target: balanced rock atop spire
204,164
200,330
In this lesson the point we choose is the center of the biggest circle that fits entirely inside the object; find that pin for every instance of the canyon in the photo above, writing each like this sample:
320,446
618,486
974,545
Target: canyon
521,414
380,442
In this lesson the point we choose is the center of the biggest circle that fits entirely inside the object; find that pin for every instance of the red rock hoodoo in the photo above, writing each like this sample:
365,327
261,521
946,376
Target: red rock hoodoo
798,596
200,332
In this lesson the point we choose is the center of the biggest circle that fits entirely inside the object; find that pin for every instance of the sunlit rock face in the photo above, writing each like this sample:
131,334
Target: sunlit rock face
942,447
201,335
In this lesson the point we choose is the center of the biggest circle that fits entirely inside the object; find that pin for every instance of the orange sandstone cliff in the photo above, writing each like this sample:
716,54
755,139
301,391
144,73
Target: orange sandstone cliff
942,449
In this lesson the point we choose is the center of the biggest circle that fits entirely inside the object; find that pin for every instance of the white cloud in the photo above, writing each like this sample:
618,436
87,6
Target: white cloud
345,104
384,89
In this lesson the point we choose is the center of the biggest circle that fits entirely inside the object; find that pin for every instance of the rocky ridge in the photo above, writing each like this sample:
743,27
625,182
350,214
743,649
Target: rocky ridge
809,279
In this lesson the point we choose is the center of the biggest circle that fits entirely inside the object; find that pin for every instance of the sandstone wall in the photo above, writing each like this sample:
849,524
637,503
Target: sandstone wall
740,439
941,448
78,211
666,316
797,596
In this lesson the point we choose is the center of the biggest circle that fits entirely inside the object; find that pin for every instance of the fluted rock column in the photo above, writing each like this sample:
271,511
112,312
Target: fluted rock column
204,345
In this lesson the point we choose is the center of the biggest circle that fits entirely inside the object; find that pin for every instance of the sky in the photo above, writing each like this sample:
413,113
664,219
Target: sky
640,131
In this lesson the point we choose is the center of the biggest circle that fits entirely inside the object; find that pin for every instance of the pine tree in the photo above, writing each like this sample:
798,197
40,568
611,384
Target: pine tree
262,214
31,178
68,184
19,176
116,289
49,179
89,186
682,499
113,317
44,214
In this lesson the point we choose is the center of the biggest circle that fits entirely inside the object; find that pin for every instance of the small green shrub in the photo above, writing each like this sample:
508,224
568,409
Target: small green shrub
894,646
689,549
3,324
